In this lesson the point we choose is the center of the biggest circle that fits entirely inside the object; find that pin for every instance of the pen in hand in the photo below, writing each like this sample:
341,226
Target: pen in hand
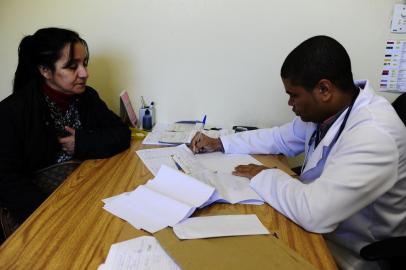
196,139
204,121
202,143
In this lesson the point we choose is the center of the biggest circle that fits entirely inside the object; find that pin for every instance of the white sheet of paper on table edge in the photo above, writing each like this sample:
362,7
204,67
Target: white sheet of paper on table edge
194,228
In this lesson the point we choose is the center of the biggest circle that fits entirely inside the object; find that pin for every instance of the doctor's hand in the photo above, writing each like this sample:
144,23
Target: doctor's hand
68,143
249,170
204,144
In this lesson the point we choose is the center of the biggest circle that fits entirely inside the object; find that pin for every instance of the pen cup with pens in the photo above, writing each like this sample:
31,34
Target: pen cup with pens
147,115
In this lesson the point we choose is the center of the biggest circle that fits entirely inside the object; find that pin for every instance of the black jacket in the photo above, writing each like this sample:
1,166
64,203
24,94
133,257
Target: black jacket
28,142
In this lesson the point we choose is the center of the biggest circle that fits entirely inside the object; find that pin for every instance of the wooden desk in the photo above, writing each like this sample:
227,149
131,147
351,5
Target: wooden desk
70,230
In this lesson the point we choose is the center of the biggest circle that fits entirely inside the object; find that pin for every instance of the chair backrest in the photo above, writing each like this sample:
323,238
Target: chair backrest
389,253
400,106
49,178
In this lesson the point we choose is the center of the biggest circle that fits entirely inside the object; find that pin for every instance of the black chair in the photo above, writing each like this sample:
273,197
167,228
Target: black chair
390,253
400,106
47,180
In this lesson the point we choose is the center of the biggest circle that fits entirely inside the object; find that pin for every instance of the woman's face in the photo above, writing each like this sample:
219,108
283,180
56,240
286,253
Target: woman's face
70,75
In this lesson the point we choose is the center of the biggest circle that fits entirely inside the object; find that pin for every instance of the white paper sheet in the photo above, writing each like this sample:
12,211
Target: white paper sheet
218,226
213,169
153,138
169,137
178,127
224,163
234,189
164,201
141,253
180,187
170,134
154,158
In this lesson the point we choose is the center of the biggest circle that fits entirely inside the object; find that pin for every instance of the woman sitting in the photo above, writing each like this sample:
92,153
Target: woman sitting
51,117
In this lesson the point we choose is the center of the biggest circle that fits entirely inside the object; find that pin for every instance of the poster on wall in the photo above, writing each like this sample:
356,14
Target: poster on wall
393,76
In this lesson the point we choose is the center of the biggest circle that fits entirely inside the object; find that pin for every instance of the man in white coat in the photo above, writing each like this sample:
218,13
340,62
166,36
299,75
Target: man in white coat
353,182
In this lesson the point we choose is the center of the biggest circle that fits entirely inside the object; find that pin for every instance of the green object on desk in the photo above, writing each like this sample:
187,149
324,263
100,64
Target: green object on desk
138,134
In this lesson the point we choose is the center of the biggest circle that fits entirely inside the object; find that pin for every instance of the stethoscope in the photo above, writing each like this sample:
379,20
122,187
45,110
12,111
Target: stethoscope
340,130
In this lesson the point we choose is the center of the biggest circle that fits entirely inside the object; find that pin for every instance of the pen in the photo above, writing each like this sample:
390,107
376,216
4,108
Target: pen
143,102
204,120
177,164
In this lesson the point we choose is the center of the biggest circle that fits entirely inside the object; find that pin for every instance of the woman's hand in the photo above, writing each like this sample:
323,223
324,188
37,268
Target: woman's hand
68,143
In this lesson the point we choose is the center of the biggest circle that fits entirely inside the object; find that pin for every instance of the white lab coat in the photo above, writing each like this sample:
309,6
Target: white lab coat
360,195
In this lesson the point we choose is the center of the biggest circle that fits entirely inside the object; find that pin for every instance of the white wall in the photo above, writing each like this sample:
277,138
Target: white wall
194,57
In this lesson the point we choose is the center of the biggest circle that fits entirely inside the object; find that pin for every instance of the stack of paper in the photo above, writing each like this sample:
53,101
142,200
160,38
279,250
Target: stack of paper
214,169
163,201
142,253
170,134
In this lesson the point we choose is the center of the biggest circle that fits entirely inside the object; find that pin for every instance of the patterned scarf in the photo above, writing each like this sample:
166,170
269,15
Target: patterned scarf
69,118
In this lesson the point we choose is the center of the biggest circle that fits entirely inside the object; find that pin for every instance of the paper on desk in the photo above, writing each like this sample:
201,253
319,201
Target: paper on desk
153,138
218,226
180,187
225,163
110,199
179,127
230,188
164,201
154,158
212,169
217,161
121,207
169,137
141,253
170,134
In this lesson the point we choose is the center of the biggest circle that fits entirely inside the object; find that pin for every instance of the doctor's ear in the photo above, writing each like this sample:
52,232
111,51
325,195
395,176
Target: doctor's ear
45,72
325,89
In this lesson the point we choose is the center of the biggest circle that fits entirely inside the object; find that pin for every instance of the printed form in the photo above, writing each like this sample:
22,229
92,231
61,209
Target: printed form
142,253
214,169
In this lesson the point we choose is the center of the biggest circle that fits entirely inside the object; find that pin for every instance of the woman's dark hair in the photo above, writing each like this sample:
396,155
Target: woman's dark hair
43,48
317,58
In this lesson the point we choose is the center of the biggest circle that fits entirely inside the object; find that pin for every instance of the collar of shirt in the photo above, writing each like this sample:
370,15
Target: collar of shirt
323,127
61,100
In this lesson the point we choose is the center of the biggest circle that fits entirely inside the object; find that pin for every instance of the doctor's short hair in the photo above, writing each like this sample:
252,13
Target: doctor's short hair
317,58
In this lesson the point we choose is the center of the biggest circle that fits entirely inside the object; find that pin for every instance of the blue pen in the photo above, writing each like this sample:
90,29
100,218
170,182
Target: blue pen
177,164
204,120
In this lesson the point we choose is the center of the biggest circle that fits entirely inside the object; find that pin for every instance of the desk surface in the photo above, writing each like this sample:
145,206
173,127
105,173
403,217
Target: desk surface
70,230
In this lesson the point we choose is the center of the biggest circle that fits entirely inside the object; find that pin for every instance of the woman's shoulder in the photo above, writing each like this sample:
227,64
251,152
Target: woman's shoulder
24,102
89,93
13,101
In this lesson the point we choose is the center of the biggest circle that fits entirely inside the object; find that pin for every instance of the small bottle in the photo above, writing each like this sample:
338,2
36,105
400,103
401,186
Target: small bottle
147,120
153,113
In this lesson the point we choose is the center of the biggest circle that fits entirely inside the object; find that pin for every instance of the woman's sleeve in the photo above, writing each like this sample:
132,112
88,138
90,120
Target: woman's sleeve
17,191
103,134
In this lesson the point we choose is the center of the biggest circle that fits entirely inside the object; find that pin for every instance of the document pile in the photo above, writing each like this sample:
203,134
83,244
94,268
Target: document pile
213,169
173,196
142,253
163,201
170,134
